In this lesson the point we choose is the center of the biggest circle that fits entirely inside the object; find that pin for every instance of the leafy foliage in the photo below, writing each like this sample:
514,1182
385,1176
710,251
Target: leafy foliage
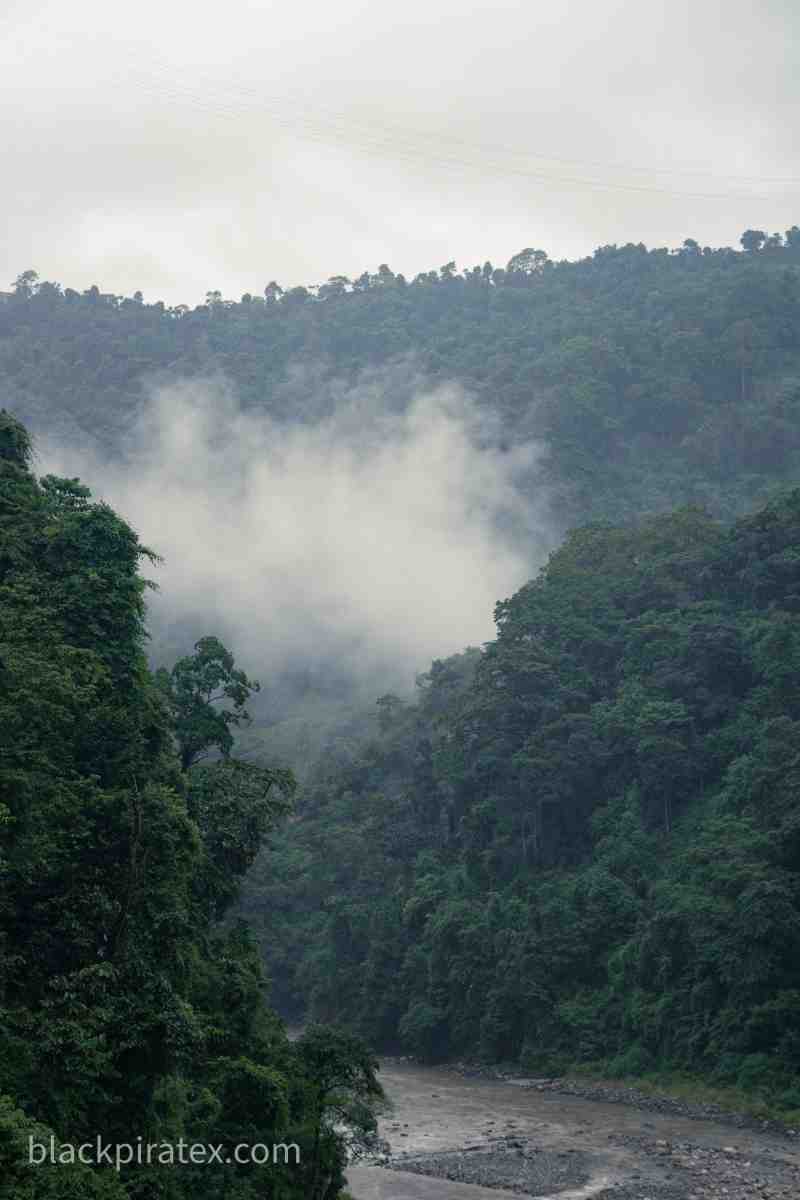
582,841
651,378
193,687
126,1008
578,841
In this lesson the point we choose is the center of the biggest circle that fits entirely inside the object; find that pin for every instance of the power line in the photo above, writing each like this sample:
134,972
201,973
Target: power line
373,138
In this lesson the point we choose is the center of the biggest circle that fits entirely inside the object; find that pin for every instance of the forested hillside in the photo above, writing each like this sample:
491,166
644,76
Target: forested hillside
652,377
579,842
129,1016
582,842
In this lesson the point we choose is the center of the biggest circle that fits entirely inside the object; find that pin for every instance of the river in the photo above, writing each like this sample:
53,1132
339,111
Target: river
603,1145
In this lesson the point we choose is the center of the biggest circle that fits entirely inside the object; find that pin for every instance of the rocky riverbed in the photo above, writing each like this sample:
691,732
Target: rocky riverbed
458,1135
611,1093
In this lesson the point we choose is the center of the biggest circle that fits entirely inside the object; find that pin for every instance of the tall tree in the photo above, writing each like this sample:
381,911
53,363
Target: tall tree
196,689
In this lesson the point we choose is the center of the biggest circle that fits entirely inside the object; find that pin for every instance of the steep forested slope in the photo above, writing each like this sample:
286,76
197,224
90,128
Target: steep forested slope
580,841
583,841
653,378
128,1015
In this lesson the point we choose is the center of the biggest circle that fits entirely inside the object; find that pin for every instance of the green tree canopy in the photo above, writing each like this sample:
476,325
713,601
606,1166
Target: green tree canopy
196,689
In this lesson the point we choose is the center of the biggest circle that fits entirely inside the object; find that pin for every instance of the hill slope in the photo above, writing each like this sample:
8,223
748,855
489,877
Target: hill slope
653,378
581,842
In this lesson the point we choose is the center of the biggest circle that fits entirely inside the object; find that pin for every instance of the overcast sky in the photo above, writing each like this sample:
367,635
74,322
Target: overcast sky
179,147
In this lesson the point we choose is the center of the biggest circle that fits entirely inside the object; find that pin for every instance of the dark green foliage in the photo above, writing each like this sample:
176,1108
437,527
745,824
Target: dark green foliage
341,1083
126,1010
193,688
652,378
580,841
48,1181
586,845
234,807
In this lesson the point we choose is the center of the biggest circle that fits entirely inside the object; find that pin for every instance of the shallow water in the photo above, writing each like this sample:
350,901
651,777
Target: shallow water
437,1110
375,1183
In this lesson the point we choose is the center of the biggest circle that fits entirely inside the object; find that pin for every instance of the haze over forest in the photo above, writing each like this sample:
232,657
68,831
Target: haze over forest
399,591
314,464
343,481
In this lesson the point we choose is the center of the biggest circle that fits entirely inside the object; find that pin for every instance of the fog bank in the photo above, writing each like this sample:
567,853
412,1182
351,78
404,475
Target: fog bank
350,546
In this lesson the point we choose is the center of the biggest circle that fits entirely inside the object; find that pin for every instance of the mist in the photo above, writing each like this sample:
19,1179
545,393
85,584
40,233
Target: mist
344,548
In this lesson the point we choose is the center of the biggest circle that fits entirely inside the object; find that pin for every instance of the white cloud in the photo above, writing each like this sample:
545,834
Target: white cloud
368,540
